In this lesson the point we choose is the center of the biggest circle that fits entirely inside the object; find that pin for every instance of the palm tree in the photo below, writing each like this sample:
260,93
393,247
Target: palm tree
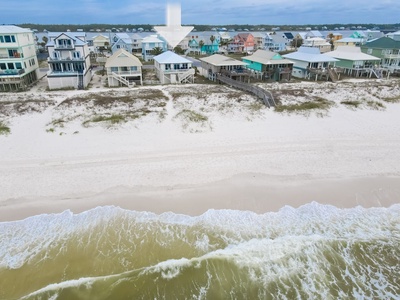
201,44
156,51
331,36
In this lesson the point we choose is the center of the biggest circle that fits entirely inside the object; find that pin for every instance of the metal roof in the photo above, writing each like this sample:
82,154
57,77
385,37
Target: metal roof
350,53
222,60
13,29
170,57
309,54
267,58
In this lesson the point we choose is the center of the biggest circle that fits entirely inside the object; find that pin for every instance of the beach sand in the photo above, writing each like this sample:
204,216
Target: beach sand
235,155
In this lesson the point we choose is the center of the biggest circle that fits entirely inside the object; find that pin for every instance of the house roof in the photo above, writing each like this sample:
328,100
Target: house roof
314,33
350,40
309,54
71,34
122,58
13,29
350,53
383,43
267,58
123,37
222,60
151,39
77,41
288,35
169,57
278,39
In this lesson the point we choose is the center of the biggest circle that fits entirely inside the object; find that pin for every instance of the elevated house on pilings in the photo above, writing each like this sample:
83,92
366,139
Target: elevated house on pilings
387,49
310,63
123,69
173,68
357,64
267,65
18,61
221,64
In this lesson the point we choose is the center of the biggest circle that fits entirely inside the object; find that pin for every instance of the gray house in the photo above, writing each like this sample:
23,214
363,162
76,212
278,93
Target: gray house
121,41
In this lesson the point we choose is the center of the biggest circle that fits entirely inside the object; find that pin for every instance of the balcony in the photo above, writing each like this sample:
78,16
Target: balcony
15,72
127,73
64,59
64,47
15,55
392,56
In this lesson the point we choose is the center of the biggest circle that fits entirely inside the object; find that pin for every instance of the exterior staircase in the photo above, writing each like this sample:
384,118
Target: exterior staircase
265,96
80,81
122,80
186,77
333,75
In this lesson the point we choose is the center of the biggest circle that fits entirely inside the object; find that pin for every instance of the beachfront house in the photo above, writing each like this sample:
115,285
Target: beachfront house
242,43
150,44
309,62
100,43
387,49
121,41
268,65
18,60
279,43
123,69
173,68
354,62
69,62
349,41
216,64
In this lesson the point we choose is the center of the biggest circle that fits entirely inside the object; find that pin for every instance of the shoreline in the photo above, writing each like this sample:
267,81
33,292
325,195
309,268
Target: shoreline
258,193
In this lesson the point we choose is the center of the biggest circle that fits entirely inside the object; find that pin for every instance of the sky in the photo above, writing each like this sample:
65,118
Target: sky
202,12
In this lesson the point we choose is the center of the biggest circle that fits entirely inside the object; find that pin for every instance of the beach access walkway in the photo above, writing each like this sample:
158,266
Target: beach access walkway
265,95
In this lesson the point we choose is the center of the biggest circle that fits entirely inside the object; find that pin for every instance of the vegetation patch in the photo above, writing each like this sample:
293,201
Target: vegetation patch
316,104
113,119
392,99
351,103
375,105
192,116
4,129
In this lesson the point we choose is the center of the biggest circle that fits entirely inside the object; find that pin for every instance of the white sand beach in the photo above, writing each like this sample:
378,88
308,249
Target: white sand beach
191,148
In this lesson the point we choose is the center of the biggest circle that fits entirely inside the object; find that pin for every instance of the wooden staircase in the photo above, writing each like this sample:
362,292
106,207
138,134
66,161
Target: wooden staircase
186,77
122,80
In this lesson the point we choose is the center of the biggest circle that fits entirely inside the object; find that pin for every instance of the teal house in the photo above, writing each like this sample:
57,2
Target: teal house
204,43
269,65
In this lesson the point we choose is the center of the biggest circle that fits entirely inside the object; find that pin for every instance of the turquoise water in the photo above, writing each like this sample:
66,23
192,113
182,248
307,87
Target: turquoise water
312,252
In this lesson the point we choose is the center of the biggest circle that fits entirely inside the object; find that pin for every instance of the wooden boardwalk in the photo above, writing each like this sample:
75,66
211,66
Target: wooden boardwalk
264,95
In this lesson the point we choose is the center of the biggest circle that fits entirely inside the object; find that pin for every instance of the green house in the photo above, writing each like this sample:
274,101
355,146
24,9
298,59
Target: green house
387,49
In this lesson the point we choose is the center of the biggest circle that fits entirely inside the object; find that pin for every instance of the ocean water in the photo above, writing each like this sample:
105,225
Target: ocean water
312,252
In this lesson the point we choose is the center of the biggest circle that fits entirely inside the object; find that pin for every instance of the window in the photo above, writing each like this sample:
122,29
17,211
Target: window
133,68
1,39
18,65
3,66
76,54
10,66
114,69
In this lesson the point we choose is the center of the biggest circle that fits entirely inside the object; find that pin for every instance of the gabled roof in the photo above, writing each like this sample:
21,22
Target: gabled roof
222,60
124,37
122,58
77,41
100,36
13,29
244,36
267,58
314,33
72,34
278,39
350,53
309,54
169,57
383,43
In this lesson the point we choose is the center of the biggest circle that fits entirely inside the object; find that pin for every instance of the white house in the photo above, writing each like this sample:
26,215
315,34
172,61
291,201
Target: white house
69,62
18,60
149,43
317,42
123,68
173,68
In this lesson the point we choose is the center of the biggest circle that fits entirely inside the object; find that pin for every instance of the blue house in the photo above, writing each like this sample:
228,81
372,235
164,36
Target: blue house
121,41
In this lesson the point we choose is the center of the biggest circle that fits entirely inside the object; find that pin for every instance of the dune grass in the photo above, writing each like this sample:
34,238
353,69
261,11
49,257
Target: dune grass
4,129
315,104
